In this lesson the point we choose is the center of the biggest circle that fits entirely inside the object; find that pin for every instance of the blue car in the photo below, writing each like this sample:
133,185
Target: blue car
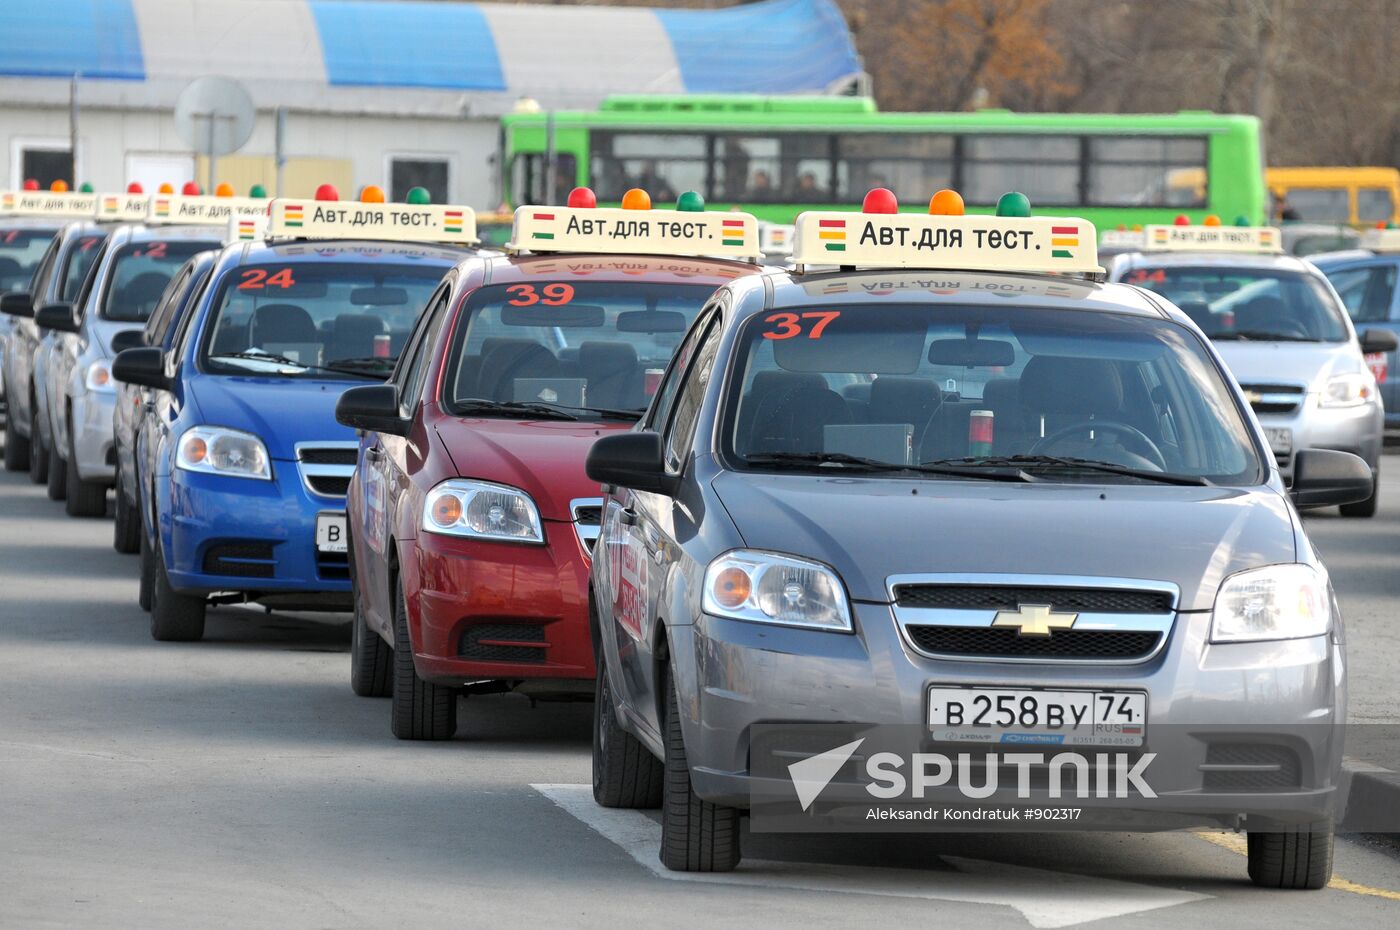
246,466
1365,279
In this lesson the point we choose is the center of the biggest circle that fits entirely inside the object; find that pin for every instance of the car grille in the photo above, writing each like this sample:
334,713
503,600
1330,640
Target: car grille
504,642
588,519
993,643
1274,398
240,559
1009,597
326,467
1251,767
333,566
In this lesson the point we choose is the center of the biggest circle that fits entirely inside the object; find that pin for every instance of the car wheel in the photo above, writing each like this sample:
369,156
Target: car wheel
696,835
175,617
57,487
1297,856
126,529
148,581
1366,508
16,447
83,498
38,457
625,773
371,659
419,709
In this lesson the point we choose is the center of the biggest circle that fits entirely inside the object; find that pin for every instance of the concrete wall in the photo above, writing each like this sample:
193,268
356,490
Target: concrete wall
112,142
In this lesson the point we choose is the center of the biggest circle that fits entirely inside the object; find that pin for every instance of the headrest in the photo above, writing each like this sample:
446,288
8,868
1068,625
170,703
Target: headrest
1084,386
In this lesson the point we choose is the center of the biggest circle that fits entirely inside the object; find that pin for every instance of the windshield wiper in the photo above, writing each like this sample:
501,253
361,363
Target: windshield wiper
1259,335
842,460
1058,461
363,363
285,360
540,411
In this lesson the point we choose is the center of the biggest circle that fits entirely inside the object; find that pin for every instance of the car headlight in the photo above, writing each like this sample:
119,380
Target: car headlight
764,587
482,510
1274,602
1348,390
99,377
219,451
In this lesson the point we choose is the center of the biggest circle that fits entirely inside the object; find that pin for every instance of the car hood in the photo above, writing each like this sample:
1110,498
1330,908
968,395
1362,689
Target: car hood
871,528
281,411
1310,363
544,458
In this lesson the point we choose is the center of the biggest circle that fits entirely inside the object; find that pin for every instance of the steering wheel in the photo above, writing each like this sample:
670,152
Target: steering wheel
1138,439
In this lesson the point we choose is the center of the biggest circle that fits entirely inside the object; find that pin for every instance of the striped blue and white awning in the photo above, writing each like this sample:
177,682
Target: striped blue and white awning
452,57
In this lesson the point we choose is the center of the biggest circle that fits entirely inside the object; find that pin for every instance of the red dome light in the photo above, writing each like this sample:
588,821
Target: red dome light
327,192
30,184
191,189
1182,220
135,188
880,200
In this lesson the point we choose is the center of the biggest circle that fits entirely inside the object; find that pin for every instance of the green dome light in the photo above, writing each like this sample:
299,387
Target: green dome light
1013,203
690,202
418,196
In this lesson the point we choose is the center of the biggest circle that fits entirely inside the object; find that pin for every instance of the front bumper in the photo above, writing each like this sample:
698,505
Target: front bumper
734,676
498,611
1358,430
248,536
92,442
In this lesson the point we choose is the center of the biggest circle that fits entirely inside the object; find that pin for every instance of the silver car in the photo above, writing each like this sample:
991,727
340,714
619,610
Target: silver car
125,284
1286,337
859,492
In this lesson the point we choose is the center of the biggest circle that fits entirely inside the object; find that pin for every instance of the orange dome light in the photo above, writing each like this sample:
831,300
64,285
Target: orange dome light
636,199
946,203
224,190
371,193
59,187
1211,220
166,188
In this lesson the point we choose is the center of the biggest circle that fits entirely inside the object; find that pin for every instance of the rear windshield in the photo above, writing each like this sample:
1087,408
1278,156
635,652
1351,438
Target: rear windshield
20,253
139,273
916,384
1248,303
315,319
573,344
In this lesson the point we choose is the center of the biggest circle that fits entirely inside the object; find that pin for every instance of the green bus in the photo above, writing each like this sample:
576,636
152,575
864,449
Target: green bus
778,156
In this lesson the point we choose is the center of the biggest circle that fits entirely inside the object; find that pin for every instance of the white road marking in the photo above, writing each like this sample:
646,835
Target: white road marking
1044,898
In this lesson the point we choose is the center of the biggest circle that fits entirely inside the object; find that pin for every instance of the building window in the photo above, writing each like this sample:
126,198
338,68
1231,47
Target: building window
406,173
46,165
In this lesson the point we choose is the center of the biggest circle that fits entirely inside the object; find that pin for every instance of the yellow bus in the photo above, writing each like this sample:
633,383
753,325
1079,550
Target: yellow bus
1355,196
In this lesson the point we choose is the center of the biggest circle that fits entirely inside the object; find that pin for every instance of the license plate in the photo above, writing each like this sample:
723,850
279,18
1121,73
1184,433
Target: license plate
1059,718
330,532
1280,440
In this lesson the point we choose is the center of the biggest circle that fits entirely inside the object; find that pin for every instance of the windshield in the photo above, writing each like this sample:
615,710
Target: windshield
600,345
139,273
20,253
913,384
82,252
321,319
1248,303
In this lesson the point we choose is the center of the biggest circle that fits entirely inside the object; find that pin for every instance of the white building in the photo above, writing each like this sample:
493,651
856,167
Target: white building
373,91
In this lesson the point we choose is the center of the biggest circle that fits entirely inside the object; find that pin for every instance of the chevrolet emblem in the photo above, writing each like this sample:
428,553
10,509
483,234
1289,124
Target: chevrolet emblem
1034,620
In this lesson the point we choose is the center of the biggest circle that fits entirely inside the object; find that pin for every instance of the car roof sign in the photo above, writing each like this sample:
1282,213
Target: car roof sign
1122,239
1381,240
69,204
947,242
1212,239
352,219
728,234
121,207
246,229
775,238
201,210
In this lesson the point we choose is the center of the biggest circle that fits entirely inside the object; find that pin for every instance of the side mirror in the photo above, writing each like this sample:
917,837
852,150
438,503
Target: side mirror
57,317
374,408
1378,340
144,366
631,460
1323,477
17,303
127,339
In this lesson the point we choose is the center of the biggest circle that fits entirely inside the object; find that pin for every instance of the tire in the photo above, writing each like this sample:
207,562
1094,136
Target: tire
39,455
82,498
57,487
126,529
371,659
148,571
1366,508
16,446
696,835
625,773
419,710
175,617
1296,857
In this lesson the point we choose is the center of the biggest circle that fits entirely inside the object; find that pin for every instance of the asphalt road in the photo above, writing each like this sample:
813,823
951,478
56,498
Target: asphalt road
239,782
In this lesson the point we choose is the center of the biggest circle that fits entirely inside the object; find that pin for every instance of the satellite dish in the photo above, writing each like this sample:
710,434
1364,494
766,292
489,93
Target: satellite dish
214,116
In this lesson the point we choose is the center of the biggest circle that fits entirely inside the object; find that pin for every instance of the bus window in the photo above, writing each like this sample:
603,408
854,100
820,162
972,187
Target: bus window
1044,168
913,165
787,168
527,178
1374,203
662,164
1147,171
1319,205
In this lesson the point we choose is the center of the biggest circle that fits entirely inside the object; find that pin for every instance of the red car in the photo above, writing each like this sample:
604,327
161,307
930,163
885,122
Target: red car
470,517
